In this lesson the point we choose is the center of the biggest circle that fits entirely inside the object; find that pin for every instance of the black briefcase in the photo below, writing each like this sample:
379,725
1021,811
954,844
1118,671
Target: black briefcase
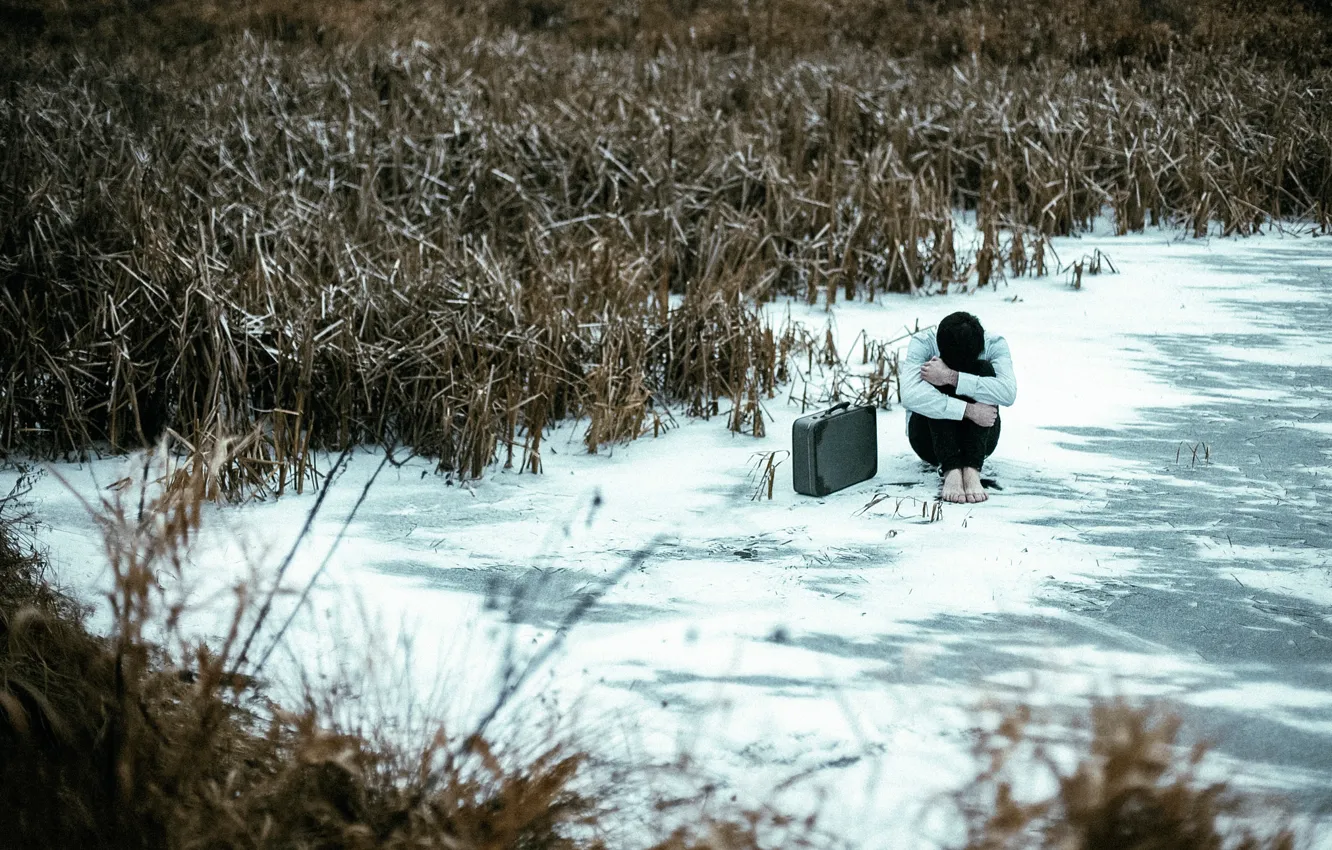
834,448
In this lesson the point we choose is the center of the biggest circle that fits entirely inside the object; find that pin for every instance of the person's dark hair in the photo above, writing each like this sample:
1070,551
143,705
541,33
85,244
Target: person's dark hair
961,341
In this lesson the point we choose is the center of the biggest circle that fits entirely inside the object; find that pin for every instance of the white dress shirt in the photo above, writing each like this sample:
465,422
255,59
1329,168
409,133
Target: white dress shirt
918,396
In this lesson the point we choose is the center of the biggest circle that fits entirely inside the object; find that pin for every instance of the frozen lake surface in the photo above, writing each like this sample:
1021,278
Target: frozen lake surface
1163,531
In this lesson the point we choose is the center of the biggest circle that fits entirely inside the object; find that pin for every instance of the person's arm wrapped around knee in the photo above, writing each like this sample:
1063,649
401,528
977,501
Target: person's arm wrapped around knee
1001,388
920,397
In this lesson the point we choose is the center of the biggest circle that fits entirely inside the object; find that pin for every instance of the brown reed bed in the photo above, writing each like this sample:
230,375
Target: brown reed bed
1011,32
454,247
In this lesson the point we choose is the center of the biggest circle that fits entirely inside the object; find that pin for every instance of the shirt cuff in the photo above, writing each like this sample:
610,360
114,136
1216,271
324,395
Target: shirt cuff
967,384
957,409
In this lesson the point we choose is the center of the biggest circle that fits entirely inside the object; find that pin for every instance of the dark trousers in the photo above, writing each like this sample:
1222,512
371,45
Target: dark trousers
953,444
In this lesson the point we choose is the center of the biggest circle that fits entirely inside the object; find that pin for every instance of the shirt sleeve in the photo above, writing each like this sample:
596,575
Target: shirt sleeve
1000,390
920,397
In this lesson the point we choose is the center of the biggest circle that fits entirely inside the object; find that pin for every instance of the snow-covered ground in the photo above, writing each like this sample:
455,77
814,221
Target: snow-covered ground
819,653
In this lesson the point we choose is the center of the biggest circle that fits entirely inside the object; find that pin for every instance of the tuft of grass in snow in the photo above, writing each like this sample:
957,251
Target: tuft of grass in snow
1131,787
763,474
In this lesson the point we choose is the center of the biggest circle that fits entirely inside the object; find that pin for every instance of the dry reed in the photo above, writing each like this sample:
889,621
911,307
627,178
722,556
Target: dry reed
1131,787
453,247
1016,32
133,742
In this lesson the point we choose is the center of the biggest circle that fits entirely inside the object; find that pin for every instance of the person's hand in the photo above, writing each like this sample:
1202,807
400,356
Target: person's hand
938,374
982,414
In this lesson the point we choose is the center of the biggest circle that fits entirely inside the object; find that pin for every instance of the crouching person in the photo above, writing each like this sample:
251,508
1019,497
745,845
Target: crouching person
953,383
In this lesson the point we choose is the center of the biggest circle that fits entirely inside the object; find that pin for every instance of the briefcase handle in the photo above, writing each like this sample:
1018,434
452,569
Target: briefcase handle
841,405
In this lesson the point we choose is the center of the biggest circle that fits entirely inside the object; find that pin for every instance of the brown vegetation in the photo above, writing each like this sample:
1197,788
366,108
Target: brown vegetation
453,248
122,742
1081,32
1131,789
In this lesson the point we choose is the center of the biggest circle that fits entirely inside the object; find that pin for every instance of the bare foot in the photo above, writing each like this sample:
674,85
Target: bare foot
971,485
953,488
